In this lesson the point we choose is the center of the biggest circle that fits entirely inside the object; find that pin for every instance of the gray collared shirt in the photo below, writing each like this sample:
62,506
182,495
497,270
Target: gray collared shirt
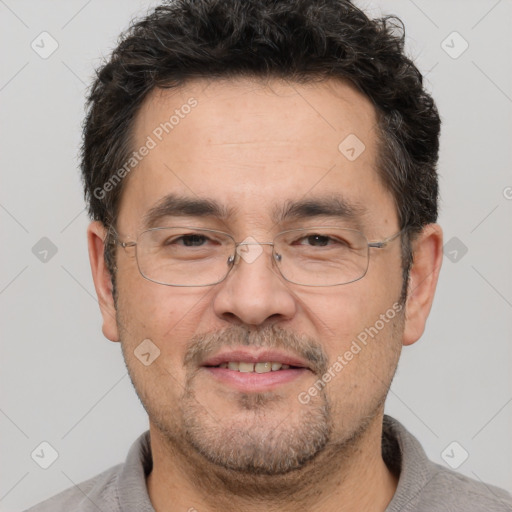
423,485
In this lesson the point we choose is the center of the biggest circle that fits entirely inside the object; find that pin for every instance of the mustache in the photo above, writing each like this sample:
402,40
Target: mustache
204,345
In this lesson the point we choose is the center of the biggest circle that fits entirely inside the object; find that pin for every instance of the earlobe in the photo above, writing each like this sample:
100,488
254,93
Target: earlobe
96,233
427,259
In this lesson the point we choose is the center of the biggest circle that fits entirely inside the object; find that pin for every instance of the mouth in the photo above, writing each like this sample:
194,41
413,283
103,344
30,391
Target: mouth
246,371
260,367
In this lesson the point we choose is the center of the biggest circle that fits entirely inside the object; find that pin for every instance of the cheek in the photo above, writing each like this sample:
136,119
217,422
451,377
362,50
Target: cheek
363,364
168,316
155,325
339,314
359,331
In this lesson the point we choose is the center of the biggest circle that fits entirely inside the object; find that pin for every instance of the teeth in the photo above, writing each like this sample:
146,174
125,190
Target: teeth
245,367
254,367
263,367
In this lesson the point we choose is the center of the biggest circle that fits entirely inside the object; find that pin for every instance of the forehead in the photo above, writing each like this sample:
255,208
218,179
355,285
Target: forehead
253,146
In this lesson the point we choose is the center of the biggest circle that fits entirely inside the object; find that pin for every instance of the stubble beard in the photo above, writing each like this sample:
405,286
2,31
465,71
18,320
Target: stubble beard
260,445
264,442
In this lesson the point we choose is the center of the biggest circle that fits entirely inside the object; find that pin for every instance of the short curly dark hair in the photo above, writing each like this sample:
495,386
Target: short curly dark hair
298,40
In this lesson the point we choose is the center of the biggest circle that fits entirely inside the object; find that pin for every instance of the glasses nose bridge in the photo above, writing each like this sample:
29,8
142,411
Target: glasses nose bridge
244,244
237,252
238,244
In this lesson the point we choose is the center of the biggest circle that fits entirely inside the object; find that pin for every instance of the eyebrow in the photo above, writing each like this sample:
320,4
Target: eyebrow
173,205
331,206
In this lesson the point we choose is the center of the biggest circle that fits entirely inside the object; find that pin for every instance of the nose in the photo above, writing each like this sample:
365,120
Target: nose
254,293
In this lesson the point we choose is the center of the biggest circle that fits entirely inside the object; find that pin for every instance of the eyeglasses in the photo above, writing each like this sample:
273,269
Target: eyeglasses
315,256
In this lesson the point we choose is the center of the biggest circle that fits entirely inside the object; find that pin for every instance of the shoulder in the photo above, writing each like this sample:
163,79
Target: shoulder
122,487
97,493
425,486
448,490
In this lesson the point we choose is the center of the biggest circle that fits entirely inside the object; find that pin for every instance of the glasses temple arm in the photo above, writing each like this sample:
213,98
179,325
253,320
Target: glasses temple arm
383,243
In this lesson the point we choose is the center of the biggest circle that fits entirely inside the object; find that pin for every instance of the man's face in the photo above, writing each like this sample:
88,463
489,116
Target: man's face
254,149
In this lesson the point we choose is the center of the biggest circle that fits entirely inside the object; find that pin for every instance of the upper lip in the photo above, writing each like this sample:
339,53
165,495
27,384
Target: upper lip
246,356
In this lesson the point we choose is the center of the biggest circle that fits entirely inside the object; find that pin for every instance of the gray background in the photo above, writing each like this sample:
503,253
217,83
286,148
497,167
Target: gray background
63,383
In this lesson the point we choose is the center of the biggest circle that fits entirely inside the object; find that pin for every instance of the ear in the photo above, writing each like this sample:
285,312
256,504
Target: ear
427,251
96,233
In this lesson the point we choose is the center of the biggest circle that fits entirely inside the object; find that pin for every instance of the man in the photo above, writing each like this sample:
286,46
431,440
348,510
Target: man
262,181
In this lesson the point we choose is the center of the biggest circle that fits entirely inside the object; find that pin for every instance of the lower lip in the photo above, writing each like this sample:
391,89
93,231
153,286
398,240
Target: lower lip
251,381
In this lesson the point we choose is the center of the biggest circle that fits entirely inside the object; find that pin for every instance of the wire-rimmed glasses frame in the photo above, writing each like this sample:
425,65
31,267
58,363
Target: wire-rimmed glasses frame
322,266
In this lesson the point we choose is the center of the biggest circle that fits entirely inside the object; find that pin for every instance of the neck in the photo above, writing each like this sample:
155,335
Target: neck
346,478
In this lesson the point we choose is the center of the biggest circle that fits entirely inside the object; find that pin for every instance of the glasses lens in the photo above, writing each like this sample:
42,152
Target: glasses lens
322,256
184,256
